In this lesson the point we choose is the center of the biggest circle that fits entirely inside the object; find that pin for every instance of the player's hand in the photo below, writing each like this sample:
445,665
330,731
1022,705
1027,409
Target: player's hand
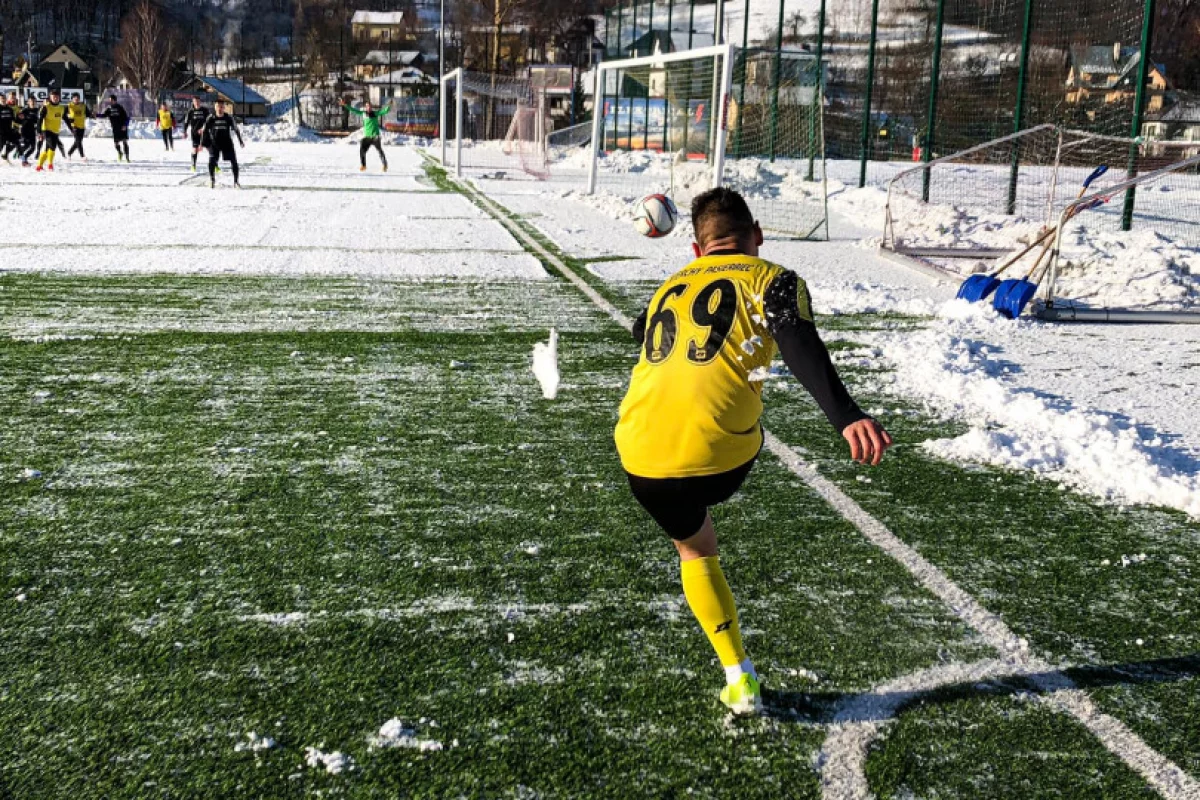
868,441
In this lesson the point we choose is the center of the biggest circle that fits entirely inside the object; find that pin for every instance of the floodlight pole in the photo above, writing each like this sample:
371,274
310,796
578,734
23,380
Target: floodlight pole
717,113
776,78
866,121
819,96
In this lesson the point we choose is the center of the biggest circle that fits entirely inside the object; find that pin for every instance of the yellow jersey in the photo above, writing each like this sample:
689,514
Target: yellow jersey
166,120
78,114
692,408
52,117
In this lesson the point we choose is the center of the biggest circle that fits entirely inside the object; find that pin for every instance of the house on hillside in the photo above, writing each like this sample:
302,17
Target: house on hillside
381,62
382,28
1103,74
61,68
402,83
1178,122
245,101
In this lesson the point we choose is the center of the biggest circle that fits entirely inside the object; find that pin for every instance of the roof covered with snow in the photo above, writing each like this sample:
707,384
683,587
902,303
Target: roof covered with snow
232,88
377,18
408,75
399,58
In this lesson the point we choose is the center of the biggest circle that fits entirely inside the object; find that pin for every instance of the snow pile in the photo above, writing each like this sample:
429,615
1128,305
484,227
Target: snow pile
254,743
1138,269
251,131
948,367
334,763
545,365
395,733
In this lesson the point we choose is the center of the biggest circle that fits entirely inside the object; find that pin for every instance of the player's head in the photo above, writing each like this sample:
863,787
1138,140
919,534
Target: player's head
112,99
367,105
722,221
163,105
195,102
219,107
30,102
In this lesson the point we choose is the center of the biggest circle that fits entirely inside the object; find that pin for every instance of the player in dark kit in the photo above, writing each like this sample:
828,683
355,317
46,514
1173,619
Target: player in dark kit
689,429
28,119
218,131
119,117
8,127
194,122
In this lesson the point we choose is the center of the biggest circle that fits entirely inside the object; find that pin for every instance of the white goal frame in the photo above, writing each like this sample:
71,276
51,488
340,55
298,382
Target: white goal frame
722,86
457,77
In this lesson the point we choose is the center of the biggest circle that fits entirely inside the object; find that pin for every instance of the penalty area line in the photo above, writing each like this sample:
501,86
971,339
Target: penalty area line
1166,777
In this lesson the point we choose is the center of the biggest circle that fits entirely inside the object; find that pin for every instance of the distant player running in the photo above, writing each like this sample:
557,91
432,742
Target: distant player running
50,121
219,130
78,112
371,120
689,429
194,121
166,124
119,117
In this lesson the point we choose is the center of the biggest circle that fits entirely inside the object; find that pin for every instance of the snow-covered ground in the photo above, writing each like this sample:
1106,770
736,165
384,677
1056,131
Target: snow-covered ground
1108,410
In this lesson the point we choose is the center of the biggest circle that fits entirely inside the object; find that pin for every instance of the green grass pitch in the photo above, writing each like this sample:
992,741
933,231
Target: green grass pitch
303,507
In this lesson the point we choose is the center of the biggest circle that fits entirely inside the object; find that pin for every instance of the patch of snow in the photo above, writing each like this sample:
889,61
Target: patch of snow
334,763
396,733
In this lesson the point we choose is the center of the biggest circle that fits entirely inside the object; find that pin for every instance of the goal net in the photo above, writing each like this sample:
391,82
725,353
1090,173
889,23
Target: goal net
776,150
683,123
494,122
657,124
968,211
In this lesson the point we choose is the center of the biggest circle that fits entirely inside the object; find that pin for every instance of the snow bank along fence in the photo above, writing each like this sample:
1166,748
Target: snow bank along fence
917,80
678,123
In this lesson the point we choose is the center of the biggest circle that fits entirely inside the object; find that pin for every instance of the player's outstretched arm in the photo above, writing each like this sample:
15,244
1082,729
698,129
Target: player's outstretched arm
788,312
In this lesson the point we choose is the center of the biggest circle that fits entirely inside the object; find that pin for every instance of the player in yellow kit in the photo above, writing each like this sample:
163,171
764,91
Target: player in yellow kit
50,120
689,429
77,112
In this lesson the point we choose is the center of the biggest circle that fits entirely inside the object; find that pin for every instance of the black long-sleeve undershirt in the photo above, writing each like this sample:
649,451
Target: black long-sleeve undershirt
802,350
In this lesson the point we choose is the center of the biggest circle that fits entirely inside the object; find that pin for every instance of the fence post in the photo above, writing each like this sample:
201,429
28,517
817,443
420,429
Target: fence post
1019,111
934,78
737,136
812,154
646,133
667,87
778,73
866,123
634,38
620,80
1139,107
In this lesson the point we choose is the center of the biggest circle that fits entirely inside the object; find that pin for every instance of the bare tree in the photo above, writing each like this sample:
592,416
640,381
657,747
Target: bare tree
147,47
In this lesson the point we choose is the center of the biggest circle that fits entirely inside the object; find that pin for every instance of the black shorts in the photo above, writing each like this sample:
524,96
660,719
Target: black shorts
197,141
679,505
51,140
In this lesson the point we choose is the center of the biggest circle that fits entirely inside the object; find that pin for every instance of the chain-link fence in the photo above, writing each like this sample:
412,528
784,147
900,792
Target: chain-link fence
915,79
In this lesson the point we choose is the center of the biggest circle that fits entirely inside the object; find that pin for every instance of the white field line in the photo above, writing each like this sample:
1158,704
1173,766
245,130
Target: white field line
1160,772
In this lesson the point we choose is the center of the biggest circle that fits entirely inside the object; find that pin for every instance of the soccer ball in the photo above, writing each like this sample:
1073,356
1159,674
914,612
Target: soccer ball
655,216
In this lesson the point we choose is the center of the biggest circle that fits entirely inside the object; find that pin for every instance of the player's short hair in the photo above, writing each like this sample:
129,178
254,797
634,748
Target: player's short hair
112,97
719,214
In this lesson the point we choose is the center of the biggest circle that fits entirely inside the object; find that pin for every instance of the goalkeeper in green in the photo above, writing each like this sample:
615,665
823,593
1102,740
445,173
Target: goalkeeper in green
371,120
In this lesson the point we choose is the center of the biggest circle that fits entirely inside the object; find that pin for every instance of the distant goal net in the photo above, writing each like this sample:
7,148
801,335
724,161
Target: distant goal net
685,122
1134,242
494,122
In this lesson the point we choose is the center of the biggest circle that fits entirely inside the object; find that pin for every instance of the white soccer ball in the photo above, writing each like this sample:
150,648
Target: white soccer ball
655,216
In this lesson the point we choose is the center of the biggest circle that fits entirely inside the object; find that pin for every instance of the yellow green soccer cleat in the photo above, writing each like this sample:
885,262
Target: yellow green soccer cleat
743,697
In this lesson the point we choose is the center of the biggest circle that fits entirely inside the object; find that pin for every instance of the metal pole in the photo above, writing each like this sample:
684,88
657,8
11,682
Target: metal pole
620,80
1139,107
716,113
723,92
667,87
597,120
819,94
687,108
931,120
459,113
1019,111
775,78
633,44
646,135
737,136
866,123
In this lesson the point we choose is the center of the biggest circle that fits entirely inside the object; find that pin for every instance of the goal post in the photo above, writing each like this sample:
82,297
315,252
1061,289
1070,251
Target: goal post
455,78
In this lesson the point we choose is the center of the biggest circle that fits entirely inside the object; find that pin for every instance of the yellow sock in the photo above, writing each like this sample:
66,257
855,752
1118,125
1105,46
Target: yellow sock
42,158
50,160
708,594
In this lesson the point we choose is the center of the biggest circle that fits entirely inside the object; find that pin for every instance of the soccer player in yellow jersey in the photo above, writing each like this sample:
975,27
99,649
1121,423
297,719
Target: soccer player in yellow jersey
689,429
78,114
50,120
